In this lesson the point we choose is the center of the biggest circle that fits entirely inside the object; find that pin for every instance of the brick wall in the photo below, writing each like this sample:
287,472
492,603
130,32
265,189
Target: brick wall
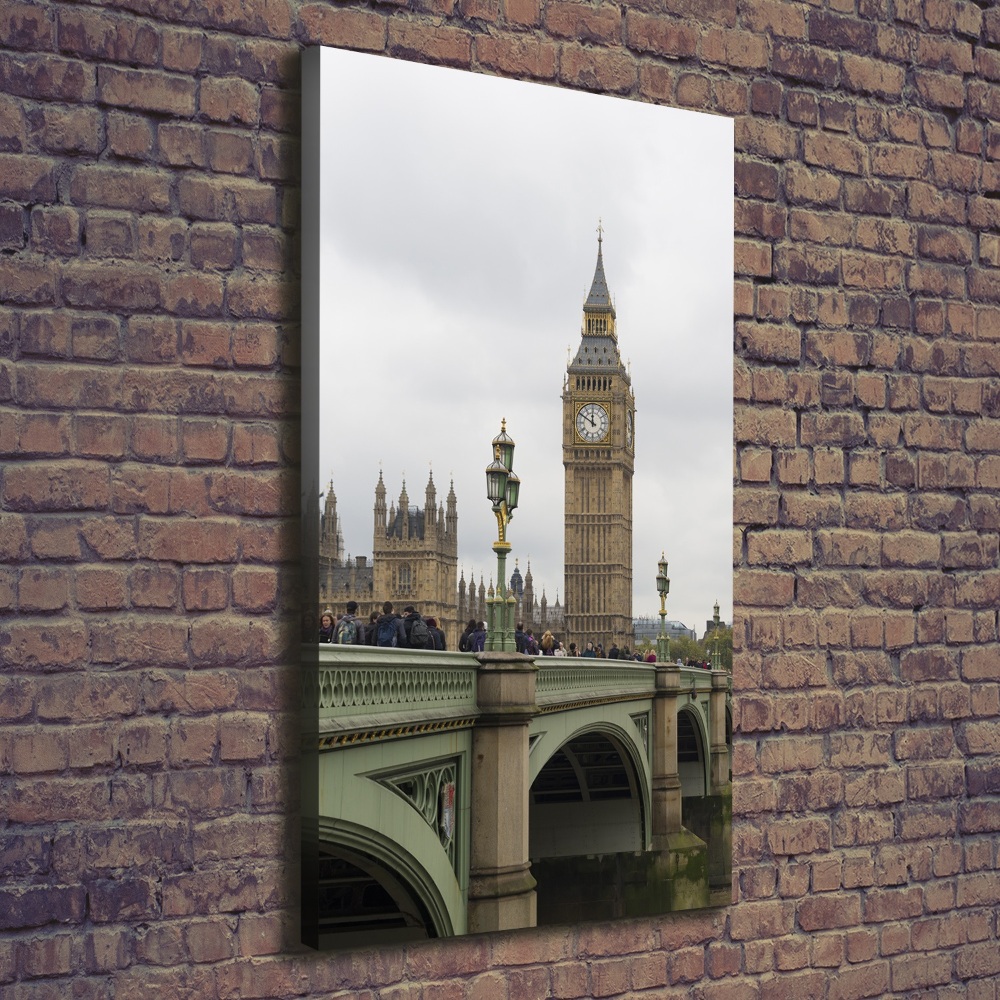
148,494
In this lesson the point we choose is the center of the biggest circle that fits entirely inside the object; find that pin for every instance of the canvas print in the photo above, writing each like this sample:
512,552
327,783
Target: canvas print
517,504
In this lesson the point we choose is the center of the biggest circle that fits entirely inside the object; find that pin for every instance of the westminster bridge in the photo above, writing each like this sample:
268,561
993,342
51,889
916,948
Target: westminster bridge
461,793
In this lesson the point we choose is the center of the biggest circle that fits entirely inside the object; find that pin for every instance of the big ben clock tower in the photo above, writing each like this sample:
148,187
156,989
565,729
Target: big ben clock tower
599,458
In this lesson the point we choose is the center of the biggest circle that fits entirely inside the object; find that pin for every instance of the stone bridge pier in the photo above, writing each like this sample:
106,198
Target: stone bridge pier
501,887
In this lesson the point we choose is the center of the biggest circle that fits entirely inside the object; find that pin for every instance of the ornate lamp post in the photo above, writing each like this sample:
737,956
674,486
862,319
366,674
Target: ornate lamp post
663,588
716,656
502,488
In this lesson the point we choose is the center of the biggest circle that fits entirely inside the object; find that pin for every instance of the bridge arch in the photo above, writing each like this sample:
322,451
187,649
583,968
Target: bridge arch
589,784
370,819
693,761
372,887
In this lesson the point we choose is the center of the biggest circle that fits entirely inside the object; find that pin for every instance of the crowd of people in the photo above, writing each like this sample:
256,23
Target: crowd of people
412,631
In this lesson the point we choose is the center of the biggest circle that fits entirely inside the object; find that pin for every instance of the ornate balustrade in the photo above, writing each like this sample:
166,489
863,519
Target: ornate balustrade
563,681
366,693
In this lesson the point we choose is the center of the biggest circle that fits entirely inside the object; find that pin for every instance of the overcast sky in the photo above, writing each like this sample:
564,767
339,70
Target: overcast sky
459,217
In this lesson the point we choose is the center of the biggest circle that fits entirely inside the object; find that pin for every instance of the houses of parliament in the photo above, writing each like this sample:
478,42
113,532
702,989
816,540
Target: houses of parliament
415,549
415,561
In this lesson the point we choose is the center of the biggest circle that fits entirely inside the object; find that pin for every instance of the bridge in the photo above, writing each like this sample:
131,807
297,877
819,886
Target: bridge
461,793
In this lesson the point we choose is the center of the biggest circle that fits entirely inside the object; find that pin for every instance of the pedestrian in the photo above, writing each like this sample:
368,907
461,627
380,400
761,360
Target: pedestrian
560,650
371,629
418,635
436,634
520,639
326,626
530,643
548,643
465,639
613,651
478,638
589,651
572,649
350,629
389,629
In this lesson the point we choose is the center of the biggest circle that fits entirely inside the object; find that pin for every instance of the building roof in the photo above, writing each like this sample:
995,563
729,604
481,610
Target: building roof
598,351
599,298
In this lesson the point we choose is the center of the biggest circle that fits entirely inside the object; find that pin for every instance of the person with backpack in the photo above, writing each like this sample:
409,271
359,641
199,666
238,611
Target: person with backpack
477,641
389,629
436,634
418,635
350,630
520,639
465,639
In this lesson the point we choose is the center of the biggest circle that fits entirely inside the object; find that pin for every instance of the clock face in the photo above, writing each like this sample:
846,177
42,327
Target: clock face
592,422
628,429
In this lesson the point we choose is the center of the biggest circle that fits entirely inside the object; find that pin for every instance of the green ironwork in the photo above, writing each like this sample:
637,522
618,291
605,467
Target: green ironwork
424,788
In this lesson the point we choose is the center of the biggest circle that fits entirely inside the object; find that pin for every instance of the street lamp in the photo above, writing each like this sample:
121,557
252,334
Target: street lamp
716,656
663,588
502,489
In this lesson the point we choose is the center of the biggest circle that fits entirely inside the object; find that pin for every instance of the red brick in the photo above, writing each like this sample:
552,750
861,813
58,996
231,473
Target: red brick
154,438
229,153
806,63
582,22
597,69
257,298
193,295
255,589
351,29
256,345
101,588
88,33
131,136
182,145
441,45
205,590
741,49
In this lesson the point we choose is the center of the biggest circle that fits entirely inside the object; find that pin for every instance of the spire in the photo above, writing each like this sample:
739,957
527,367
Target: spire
598,356
599,299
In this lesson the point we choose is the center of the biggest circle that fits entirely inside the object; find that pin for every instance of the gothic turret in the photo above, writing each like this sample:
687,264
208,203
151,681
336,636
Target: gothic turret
380,524
404,513
330,538
451,518
430,507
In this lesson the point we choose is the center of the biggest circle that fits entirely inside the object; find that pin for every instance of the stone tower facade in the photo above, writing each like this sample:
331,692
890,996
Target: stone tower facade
415,555
599,459
341,578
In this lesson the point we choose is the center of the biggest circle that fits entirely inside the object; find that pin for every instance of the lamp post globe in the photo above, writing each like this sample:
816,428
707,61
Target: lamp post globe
662,588
502,490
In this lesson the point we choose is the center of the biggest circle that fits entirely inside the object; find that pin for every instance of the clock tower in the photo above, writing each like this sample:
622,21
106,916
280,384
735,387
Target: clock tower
599,458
